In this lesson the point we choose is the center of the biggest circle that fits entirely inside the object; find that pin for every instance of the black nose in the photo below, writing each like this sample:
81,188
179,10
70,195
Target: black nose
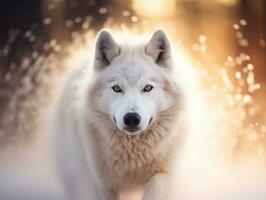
132,120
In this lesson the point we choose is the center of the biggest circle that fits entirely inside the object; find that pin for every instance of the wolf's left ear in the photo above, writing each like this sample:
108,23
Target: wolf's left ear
106,50
159,48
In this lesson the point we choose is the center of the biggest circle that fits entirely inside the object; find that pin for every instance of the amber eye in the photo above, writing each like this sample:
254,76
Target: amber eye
117,89
147,88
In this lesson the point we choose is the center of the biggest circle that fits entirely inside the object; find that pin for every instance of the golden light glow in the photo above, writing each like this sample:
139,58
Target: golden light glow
228,2
228,131
155,8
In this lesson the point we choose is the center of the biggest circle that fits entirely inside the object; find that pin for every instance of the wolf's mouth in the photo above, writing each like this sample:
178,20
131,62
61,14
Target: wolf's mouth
132,131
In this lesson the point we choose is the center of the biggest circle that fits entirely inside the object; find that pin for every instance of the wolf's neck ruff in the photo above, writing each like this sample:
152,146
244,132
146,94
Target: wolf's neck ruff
120,155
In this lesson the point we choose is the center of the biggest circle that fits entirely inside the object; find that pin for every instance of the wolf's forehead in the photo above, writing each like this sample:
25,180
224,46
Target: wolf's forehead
131,67
125,61
135,70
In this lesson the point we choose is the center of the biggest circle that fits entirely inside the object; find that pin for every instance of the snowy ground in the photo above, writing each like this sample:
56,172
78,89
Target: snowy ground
29,174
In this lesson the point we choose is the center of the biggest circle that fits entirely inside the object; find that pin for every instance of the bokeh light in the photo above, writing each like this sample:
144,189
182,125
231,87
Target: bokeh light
222,59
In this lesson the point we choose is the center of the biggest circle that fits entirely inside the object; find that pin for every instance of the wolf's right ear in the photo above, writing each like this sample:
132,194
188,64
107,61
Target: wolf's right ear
159,48
106,50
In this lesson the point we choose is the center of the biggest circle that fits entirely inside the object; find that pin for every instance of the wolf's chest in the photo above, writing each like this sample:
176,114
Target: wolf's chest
129,163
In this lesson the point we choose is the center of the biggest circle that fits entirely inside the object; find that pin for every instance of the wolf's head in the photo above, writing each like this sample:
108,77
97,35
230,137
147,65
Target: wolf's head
134,84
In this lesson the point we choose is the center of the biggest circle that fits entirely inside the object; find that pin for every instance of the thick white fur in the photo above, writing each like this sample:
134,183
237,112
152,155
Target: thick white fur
96,159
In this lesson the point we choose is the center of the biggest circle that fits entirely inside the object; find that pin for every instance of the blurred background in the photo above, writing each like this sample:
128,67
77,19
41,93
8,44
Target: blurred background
224,41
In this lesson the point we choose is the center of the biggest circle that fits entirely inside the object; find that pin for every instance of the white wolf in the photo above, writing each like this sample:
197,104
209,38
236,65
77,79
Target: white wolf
120,129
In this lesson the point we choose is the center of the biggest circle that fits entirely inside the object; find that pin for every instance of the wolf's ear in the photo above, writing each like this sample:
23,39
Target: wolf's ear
159,48
106,50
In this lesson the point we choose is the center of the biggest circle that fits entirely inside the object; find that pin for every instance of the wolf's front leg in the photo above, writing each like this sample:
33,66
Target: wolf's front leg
160,187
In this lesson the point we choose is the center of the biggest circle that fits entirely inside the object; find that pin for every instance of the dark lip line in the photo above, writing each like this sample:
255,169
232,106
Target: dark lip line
150,120
114,120
132,130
